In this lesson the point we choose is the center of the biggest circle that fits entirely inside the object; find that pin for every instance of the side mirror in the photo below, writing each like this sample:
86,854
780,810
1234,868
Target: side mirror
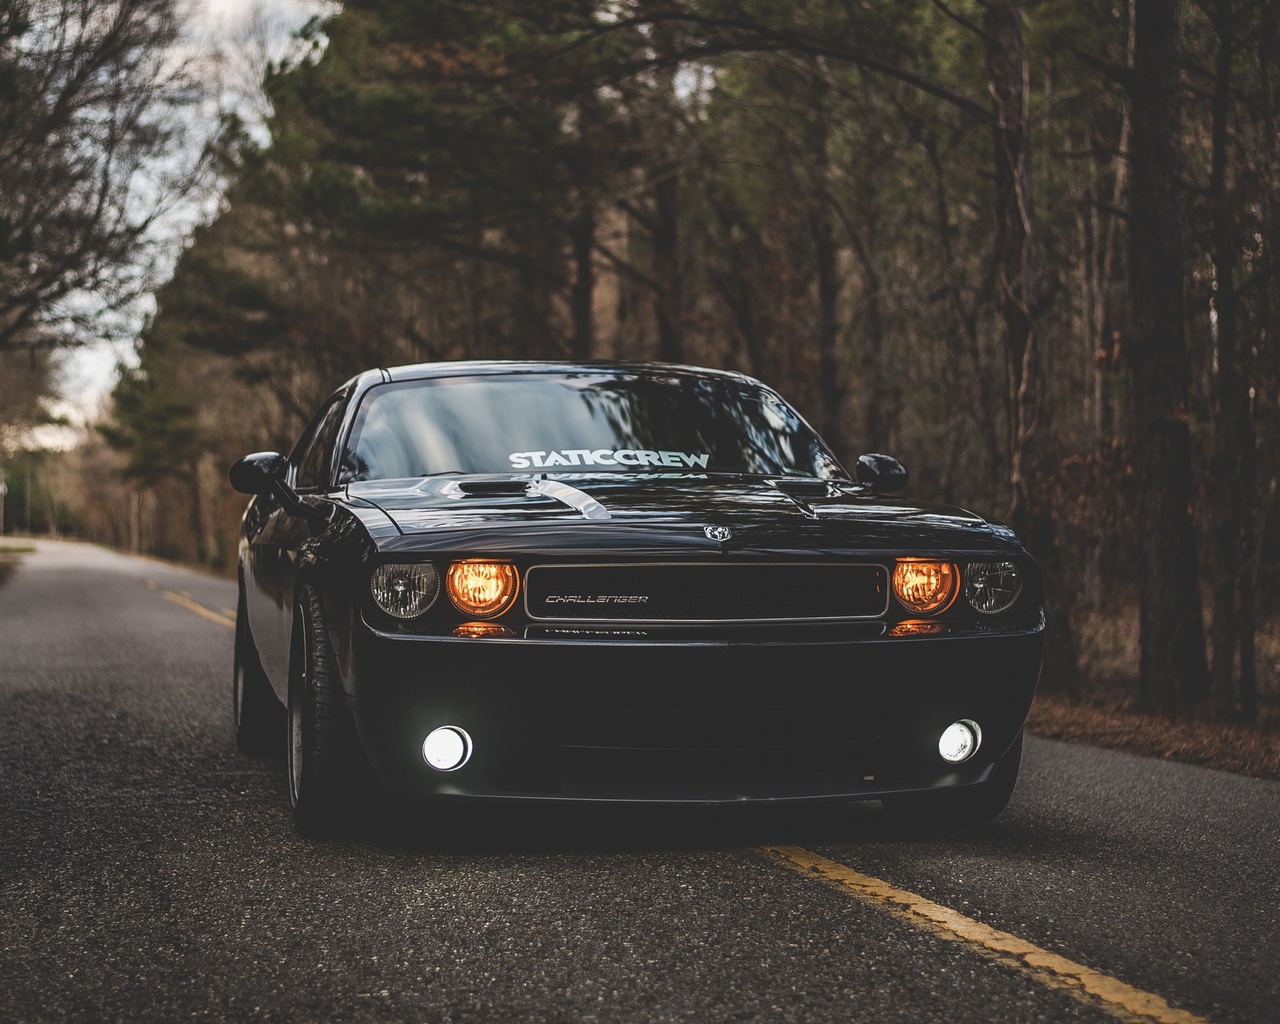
258,473
882,473
265,473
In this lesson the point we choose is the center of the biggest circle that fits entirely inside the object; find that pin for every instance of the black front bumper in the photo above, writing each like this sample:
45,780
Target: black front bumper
711,720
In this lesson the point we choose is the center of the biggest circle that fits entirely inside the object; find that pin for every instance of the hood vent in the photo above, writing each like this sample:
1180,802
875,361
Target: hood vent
579,501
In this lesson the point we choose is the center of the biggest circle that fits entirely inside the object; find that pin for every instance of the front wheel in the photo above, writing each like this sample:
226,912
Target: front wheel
325,764
970,805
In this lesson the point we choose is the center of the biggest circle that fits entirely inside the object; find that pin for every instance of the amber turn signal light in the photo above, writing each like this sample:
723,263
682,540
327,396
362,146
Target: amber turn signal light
910,628
481,590
924,585
482,631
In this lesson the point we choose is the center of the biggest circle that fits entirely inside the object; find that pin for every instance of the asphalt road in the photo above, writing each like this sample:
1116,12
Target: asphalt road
148,872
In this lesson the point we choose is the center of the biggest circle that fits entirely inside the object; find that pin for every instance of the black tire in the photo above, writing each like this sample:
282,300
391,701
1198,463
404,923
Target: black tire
324,761
961,808
255,714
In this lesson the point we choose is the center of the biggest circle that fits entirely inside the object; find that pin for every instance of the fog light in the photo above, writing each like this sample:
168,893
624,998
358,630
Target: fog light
959,741
447,749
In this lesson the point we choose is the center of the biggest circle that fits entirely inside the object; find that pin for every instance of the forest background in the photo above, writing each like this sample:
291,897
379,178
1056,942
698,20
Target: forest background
1029,248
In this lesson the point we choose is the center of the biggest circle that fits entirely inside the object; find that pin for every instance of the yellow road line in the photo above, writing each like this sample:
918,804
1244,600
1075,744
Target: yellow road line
199,609
1090,986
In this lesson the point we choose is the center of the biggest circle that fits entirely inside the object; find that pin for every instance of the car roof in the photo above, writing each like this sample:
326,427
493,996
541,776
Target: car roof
420,371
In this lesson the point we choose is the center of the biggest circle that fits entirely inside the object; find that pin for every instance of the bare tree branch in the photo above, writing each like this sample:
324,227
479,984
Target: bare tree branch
85,106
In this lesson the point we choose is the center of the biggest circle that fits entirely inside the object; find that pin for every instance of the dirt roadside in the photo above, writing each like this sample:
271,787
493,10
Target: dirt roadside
1227,748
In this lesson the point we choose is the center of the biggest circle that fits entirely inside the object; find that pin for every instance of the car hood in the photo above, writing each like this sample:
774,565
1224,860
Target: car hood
610,513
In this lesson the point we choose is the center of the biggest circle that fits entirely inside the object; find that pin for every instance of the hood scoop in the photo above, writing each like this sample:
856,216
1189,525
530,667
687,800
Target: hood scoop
579,501
470,488
571,496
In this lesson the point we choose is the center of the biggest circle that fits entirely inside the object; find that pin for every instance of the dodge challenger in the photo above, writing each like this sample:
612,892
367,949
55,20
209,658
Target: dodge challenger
618,582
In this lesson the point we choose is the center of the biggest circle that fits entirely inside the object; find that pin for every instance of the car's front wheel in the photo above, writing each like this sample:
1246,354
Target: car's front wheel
970,805
325,764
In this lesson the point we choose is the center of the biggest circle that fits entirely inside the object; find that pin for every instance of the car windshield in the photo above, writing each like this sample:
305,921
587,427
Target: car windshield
574,423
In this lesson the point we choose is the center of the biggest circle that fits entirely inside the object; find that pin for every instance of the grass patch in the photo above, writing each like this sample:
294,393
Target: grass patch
1106,712
1229,748
16,549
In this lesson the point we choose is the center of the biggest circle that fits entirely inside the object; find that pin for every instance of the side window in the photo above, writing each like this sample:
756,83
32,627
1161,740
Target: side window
315,460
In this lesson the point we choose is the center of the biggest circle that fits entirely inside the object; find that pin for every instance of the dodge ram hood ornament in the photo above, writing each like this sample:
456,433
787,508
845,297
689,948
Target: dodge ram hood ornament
718,533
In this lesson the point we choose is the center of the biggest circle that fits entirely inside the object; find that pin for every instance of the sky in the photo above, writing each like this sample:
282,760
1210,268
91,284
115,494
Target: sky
89,372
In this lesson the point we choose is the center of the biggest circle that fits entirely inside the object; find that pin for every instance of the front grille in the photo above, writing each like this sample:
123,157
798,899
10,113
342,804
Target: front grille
706,592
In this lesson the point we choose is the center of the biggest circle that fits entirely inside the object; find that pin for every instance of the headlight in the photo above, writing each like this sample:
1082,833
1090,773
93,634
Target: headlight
405,591
924,585
992,587
481,590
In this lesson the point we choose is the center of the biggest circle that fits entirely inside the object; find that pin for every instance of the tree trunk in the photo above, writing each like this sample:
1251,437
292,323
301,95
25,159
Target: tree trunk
1258,531
1017,261
825,255
832,377
197,514
668,303
1173,670
963,330
582,231
533,331
880,426
1264,375
738,282
1233,441
878,378
1017,285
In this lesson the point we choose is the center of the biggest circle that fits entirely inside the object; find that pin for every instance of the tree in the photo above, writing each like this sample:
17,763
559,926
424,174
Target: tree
1231,48
1233,438
87,93
26,379
960,230
1017,276
1174,672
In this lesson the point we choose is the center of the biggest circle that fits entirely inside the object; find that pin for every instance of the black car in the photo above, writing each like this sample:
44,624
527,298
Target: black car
619,582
